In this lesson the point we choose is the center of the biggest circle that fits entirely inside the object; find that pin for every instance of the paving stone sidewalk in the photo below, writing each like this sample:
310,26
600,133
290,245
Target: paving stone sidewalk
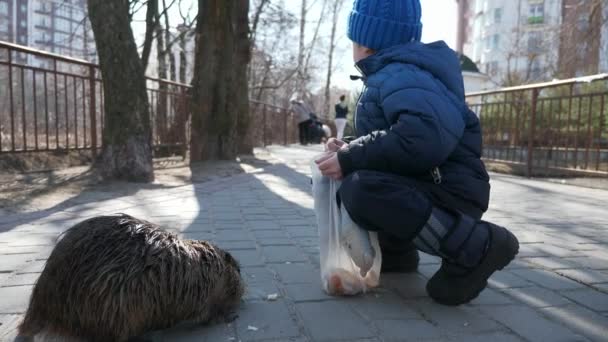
556,290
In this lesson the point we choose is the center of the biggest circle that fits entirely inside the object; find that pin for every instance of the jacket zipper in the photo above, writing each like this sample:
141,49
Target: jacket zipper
437,179
359,99
357,109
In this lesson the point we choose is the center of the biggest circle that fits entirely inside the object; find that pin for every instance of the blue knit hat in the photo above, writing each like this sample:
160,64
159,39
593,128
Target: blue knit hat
380,24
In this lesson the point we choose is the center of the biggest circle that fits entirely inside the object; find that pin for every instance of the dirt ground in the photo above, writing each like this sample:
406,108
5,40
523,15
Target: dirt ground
39,190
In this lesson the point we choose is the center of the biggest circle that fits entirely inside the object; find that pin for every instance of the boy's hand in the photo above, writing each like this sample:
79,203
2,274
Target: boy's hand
334,145
330,166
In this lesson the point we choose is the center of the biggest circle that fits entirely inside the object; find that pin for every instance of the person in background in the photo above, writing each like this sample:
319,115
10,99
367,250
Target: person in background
303,116
341,114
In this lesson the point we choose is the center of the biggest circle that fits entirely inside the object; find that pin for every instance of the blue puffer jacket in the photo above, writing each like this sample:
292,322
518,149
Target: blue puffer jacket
412,120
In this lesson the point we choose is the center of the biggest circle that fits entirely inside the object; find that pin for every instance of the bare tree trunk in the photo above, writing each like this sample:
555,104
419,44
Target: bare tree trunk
241,69
219,84
161,98
151,13
301,51
337,7
313,41
168,44
127,150
183,60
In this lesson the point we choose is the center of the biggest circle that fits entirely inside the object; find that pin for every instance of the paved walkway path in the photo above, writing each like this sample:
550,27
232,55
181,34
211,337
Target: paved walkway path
556,290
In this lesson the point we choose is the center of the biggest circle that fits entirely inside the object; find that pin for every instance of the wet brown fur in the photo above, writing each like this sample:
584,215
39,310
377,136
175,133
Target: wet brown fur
111,278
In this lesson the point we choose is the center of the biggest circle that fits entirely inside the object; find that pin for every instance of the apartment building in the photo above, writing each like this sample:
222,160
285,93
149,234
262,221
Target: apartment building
58,26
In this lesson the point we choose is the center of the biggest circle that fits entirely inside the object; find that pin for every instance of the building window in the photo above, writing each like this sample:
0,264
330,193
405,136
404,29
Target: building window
44,6
41,37
537,13
42,21
536,71
535,42
492,68
23,23
63,11
3,8
62,25
492,42
24,8
4,25
62,38
497,15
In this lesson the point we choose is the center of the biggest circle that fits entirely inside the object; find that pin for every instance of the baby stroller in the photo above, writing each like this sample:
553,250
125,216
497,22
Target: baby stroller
315,131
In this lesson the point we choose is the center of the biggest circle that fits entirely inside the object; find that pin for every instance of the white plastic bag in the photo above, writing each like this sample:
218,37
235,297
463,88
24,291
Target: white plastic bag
350,256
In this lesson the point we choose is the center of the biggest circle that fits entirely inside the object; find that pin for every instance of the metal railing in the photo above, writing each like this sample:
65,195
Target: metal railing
47,102
50,102
549,127
272,124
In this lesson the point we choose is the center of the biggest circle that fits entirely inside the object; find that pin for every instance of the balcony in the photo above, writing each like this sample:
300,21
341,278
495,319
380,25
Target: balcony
536,20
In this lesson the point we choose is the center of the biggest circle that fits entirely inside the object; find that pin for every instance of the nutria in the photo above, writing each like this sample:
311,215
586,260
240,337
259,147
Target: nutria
112,278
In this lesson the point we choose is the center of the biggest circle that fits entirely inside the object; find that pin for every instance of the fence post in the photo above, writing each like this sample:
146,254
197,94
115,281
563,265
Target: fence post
93,110
285,115
183,122
532,132
10,94
264,127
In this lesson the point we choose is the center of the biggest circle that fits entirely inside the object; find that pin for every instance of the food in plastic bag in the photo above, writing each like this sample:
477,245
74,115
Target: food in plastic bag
350,256
357,242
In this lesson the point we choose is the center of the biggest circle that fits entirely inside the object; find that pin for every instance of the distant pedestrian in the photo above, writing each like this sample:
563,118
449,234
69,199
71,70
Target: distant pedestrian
341,115
303,117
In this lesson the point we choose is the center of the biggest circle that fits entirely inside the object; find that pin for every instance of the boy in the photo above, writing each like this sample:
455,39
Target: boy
415,173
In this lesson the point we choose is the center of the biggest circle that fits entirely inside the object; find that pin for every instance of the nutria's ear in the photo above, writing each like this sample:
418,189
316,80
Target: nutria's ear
232,261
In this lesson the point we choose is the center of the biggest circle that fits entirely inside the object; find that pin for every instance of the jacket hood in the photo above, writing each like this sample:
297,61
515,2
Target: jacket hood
436,58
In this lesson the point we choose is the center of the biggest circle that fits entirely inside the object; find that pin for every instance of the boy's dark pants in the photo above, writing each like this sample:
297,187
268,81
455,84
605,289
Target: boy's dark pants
395,206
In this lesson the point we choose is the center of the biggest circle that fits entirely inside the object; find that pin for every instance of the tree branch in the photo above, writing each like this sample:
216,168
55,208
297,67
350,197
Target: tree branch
151,23
314,37
256,18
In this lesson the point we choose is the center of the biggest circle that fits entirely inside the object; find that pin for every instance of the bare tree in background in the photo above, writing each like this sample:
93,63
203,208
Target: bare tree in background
151,19
274,65
580,39
336,9
161,58
531,56
244,44
219,87
568,49
301,50
127,150
305,51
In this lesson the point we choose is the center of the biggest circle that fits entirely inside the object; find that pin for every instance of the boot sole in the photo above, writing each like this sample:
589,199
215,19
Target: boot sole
512,249
513,246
